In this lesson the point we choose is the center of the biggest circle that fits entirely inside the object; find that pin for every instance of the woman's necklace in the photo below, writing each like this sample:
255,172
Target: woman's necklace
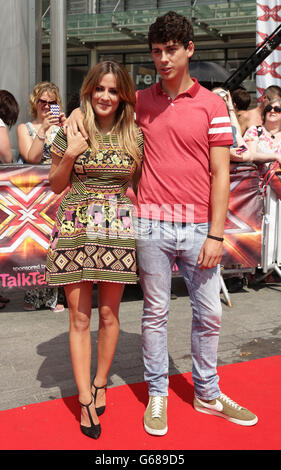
273,134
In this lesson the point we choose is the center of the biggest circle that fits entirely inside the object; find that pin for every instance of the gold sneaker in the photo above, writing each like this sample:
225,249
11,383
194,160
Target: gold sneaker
155,416
226,408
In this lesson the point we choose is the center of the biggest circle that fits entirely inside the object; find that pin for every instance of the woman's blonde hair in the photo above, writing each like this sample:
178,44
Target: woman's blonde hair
38,91
124,126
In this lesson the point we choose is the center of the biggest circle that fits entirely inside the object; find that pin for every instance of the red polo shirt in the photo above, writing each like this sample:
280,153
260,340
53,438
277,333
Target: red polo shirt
178,134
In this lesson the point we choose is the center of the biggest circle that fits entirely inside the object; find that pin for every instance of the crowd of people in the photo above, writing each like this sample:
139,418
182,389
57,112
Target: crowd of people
34,142
165,142
257,131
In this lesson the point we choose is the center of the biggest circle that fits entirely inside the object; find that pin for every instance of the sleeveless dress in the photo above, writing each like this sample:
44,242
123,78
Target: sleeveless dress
93,237
46,158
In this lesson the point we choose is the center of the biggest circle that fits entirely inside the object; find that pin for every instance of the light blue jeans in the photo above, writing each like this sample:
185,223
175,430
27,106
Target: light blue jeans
159,246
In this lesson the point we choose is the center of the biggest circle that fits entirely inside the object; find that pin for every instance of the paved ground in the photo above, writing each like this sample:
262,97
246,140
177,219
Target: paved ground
34,356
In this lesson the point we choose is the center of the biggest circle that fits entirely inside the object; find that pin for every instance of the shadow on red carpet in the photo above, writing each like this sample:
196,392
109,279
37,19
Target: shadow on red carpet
54,425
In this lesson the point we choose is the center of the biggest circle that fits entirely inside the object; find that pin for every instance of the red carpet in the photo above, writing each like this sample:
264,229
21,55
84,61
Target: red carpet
255,384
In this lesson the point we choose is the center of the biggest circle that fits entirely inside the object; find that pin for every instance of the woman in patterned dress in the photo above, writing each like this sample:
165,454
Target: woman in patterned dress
93,239
34,142
264,142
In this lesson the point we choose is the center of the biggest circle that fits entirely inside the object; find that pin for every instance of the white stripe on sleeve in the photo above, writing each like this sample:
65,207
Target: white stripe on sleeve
220,130
220,120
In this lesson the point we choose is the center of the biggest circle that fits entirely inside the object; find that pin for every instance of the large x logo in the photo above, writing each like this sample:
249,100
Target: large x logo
266,68
27,208
269,13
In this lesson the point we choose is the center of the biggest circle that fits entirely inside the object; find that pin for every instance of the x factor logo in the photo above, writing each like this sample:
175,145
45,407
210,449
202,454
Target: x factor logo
269,13
270,69
27,208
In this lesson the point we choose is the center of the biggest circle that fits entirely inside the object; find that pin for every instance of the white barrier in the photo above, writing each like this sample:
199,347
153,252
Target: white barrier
271,233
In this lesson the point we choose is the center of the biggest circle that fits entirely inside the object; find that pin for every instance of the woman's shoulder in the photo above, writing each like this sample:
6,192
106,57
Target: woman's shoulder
253,128
27,128
253,132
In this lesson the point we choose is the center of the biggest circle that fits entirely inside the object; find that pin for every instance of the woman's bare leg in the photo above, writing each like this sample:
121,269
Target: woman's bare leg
110,295
79,299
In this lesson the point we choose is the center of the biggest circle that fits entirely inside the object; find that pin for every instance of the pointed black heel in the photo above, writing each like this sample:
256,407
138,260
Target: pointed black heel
94,430
101,409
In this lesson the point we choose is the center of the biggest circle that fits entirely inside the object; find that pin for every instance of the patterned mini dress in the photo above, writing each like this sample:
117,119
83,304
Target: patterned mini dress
93,237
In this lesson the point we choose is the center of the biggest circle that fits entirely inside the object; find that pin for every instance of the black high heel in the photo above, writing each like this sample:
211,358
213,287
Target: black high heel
94,430
101,409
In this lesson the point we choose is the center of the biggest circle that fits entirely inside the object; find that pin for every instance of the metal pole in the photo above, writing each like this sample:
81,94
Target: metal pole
225,292
20,58
35,42
58,47
38,35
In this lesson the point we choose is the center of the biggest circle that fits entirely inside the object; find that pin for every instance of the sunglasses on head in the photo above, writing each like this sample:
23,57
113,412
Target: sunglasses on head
269,108
44,102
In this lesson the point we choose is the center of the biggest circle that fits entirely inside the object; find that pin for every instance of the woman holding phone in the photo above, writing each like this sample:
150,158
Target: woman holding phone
93,238
35,138
34,142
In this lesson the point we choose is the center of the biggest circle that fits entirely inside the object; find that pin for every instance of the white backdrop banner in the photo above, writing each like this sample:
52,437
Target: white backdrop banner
268,19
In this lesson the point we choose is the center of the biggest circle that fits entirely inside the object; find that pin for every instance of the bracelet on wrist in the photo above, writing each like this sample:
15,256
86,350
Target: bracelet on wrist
219,239
41,137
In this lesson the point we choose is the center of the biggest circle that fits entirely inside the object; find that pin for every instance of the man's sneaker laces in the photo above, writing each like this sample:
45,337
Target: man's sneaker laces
155,416
157,405
226,408
230,402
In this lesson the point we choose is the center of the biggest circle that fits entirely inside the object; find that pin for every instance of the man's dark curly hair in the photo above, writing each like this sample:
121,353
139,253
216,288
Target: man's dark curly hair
171,27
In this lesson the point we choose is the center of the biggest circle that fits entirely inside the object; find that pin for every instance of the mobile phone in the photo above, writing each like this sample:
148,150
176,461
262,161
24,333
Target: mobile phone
55,110
241,149
222,93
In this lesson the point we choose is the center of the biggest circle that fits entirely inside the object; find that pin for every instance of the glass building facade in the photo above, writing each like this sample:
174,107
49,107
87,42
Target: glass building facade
225,34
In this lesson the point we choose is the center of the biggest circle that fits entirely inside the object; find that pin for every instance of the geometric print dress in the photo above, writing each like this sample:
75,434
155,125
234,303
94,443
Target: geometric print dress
93,237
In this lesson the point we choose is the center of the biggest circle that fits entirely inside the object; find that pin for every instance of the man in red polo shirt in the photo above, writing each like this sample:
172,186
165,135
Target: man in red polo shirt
182,205
179,133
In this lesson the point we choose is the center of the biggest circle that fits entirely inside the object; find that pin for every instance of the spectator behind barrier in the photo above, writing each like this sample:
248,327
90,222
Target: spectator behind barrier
241,100
239,151
9,111
34,142
264,141
35,138
254,117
